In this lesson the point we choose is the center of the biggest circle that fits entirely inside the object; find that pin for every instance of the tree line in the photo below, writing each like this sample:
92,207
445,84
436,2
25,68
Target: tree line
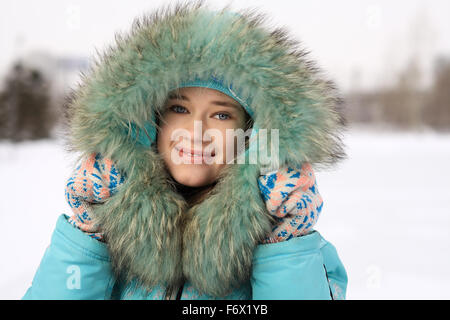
406,104
28,112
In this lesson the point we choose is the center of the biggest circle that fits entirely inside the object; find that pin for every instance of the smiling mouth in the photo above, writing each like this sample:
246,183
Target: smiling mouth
193,153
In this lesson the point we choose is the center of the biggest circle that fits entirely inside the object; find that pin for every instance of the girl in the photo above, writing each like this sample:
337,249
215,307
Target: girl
166,203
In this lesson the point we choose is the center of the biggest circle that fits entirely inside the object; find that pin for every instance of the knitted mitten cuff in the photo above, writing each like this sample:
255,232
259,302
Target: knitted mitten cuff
292,198
91,183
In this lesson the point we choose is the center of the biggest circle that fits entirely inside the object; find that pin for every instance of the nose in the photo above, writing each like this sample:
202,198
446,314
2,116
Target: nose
203,139
197,129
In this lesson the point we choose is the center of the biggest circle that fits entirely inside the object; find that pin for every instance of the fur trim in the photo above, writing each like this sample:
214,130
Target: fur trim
151,235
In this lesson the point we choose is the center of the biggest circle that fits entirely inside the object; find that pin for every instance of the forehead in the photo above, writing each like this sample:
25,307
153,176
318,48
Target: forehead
207,95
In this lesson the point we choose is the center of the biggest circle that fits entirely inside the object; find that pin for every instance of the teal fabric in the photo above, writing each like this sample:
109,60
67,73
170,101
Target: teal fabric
218,84
189,293
75,266
302,268
146,136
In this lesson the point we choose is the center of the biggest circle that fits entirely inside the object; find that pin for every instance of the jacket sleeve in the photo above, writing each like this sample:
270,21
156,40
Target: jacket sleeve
74,266
302,268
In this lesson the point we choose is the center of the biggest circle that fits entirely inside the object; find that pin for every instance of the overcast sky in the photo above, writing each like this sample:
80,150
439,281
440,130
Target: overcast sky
374,38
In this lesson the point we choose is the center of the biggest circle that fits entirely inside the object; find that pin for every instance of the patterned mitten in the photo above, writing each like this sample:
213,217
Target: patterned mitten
92,182
292,197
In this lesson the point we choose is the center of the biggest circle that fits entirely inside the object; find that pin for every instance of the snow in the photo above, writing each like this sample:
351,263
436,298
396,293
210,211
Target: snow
386,210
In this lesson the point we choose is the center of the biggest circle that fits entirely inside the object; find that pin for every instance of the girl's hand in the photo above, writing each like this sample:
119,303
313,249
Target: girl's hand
92,182
292,198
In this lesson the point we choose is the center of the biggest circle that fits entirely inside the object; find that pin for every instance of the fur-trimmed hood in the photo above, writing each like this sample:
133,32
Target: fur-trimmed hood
151,235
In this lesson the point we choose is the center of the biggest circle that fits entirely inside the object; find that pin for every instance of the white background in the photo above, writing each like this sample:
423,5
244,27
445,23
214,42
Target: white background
386,209
372,38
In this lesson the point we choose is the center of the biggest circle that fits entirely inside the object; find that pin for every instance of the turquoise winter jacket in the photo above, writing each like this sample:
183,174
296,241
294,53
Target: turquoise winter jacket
75,266
151,235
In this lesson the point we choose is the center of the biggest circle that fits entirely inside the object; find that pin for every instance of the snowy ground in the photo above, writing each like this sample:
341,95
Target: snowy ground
386,209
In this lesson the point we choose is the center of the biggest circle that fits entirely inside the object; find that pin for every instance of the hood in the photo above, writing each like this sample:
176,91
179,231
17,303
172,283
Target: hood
152,236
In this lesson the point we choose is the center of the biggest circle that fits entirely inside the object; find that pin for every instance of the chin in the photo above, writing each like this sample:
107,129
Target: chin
191,176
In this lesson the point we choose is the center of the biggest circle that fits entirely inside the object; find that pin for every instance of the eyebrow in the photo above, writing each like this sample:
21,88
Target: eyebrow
219,103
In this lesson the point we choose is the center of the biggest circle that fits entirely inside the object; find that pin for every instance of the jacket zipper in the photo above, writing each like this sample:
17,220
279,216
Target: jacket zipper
328,281
180,291
170,293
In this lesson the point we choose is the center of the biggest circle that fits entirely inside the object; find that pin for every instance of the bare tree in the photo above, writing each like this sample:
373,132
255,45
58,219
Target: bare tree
25,105
437,106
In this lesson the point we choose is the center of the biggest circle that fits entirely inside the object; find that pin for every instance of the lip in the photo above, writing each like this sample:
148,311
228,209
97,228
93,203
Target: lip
194,153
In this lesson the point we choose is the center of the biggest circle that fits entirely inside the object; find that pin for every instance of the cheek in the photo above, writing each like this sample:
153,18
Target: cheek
163,139
229,146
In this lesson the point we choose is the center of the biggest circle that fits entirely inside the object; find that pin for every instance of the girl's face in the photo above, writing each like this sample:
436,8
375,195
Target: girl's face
202,110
